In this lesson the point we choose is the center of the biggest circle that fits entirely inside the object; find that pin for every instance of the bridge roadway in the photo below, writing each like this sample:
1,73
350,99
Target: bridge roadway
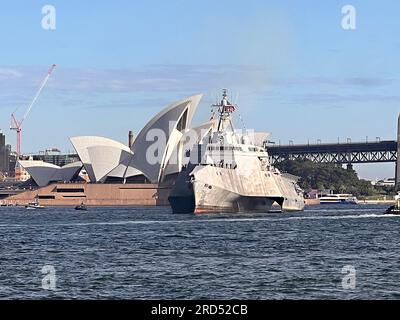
342,153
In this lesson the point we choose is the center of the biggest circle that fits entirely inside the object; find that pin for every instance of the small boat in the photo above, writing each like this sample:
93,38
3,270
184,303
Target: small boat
81,207
393,210
34,205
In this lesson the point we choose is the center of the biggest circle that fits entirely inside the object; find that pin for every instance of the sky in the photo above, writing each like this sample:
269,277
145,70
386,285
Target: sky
289,65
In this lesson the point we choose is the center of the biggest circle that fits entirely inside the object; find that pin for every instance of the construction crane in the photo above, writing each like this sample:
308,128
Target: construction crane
17,125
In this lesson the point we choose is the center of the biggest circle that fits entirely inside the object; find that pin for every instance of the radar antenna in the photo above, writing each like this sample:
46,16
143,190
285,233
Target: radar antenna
224,109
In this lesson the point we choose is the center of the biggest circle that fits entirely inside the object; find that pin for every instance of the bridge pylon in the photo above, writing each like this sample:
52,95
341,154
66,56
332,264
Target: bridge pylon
397,177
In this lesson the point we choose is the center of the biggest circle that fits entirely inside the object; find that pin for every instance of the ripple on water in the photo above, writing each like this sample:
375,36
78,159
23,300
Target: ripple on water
148,253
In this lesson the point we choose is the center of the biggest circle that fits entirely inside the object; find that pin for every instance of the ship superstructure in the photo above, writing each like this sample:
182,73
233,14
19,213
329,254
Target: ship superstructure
229,171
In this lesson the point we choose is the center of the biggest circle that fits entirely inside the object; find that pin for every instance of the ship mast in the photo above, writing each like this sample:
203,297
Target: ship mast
225,109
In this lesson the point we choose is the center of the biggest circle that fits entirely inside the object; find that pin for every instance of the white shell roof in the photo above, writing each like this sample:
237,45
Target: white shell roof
42,172
103,157
98,160
166,121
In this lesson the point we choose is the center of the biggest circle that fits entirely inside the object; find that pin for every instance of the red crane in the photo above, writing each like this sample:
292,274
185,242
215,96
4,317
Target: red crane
17,125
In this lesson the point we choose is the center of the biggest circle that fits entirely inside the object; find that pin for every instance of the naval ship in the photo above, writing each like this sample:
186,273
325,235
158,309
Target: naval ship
229,172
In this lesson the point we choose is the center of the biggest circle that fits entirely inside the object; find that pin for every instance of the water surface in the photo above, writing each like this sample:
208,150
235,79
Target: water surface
149,253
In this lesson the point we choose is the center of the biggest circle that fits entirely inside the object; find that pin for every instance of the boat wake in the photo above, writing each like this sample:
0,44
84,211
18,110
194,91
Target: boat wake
335,217
215,220
341,210
350,216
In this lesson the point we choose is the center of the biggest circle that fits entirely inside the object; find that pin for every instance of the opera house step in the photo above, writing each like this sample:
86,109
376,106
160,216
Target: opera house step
93,194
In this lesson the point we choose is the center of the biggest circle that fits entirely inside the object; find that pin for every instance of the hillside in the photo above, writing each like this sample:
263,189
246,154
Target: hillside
329,176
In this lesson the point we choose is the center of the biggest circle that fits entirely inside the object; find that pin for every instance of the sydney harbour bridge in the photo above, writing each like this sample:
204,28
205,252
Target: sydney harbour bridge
342,153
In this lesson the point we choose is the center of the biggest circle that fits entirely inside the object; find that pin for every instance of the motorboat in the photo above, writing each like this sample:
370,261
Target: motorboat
393,210
81,207
34,205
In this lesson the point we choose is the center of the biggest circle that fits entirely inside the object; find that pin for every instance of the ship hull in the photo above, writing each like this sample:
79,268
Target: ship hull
182,204
188,204
204,198
218,200
338,202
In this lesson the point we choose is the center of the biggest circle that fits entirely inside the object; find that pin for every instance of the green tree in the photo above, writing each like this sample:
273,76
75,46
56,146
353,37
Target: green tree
327,176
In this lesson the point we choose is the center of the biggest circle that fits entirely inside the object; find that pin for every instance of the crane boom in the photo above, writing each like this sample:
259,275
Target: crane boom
44,82
17,125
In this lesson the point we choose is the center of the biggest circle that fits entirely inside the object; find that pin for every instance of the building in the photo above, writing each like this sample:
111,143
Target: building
44,173
389,182
108,161
54,156
4,155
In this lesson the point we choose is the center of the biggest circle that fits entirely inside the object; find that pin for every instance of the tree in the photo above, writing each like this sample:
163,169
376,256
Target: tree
327,176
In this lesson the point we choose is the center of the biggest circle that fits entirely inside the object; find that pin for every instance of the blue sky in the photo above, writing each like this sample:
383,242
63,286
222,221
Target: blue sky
294,70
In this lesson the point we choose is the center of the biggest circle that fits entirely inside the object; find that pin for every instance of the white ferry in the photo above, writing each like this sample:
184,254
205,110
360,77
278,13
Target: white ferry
344,198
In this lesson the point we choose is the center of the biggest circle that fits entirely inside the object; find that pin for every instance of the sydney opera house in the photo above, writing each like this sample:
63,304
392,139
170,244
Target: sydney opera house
137,174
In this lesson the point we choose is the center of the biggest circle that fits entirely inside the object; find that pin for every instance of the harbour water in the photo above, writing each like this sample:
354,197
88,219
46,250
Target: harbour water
149,253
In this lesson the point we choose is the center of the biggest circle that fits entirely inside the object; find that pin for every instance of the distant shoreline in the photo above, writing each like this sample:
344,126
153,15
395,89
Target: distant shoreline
390,201
315,202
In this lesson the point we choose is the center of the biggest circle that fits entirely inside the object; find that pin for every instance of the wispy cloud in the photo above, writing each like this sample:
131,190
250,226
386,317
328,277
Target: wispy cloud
9,73
140,102
189,78
147,78
332,100
158,85
335,81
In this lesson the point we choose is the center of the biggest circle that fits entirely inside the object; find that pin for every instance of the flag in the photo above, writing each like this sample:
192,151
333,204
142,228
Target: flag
229,108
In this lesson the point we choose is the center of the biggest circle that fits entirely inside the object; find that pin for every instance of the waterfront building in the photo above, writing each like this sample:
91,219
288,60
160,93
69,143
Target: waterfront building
3,155
108,161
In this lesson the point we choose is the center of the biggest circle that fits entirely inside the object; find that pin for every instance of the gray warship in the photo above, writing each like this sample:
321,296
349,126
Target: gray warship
229,171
